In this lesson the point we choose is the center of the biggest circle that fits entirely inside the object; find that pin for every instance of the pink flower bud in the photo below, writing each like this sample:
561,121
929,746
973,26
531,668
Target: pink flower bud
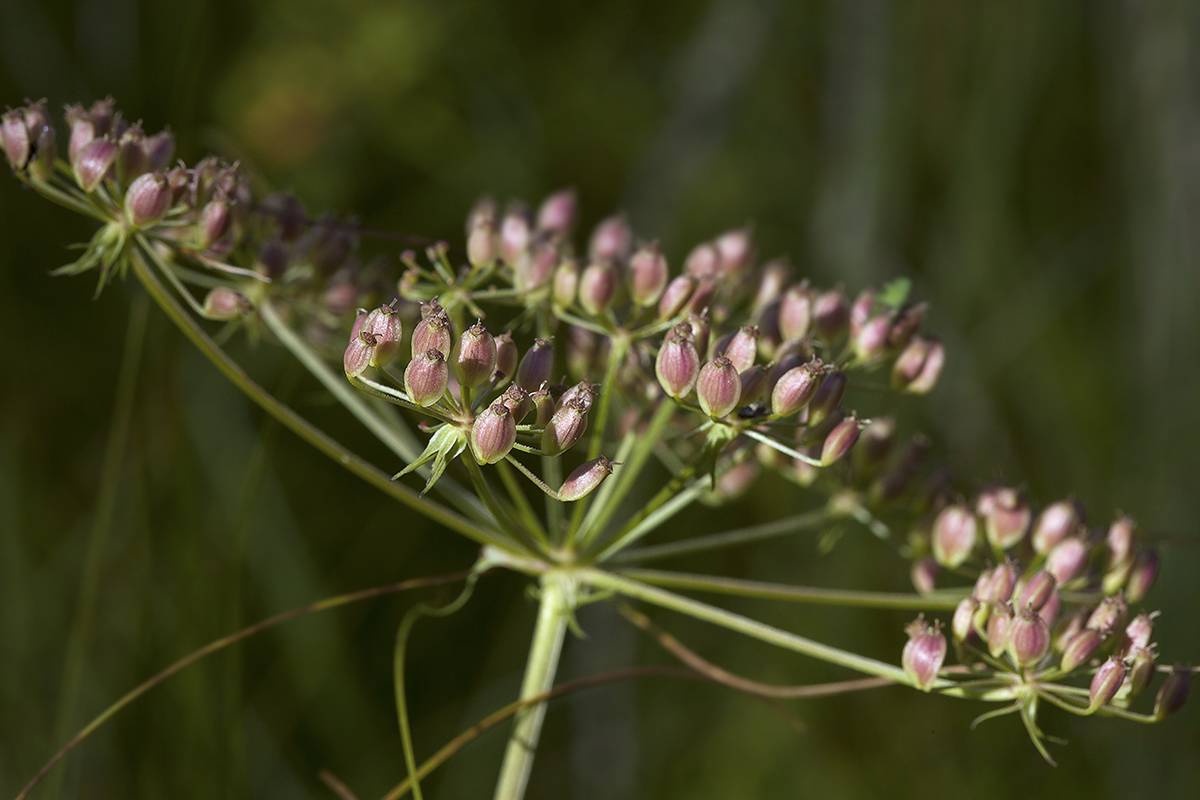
923,653
1141,670
566,283
953,535
964,616
1106,683
1080,648
872,339
840,440
675,296
1110,615
647,275
1028,638
831,314
795,312
1067,560
1056,522
795,389
924,575
742,348
827,397
718,387
94,162
536,366
597,287
754,381
432,333
213,222
474,357
493,434
426,377
384,324
558,212
736,249
677,365
224,303
1142,575
1039,589
998,624
1005,515
518,402
611,241
148,199
506,356
515,233
585,478
565,427
703,262
358,353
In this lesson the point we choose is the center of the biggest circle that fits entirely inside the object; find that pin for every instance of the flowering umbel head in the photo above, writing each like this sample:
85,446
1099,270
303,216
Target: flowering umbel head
923,653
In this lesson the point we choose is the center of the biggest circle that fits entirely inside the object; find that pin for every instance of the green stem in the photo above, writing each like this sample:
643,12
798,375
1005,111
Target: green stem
754,533
297,424
521,502
557,601
943,601
781,447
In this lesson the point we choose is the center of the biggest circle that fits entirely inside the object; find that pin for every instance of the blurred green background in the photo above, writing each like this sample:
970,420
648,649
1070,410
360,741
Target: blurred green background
1034,167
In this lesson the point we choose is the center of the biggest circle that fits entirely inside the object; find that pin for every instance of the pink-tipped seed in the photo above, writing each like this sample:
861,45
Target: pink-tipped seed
840,440
493,433
565,427
358,354
827,397
1056,522
94,162
831,314
612,240
1080,648
518,402
703,262
516,232
1005,516
718,387
1110,616
676,296
1142,666
537,365
999,621
558,213
962,624
1106,682
647,275
1142,575
474,359
225,304
923,653
1028,638
795,312
678,364
384,324
585,479
1038,591
924,575
506,356
954,533
597,287
426,377
754,381
566,283
742,348
148,199
795,389
543,407
1067,560
432,333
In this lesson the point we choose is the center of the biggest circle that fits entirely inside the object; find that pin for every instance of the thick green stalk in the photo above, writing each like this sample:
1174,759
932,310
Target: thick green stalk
557,600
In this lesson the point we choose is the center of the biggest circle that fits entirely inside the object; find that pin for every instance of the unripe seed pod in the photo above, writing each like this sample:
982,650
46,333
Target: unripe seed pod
1056,522
1067,627
964,615
1141,670
1141,576
612,240
1067,560
1106,683
861,310
718,387
754,381
585,479
272,259
736,249
1109,617
474,357
1119,542
795,389
483,240
558,212
771,286
565,427
742,348
878,439
1039,590
676,296
426,377
213,223
597,287
923,653
1000,587
535,268
702,298
1138,632
795,312
872,339
1005,516
148,199
924,575
1049,610
647,275
583,392
953,535
931,370
677,365
998,624
15,136
131,155
506,356
518,402
1173,693
94,162
703,262
1081,647
493,434
225,303
698,322
41,165
384,324
566,282
536,366
543,406
827,397
905,324
159,149
358,354
1028,638
515,233
839,441
432,333
831,314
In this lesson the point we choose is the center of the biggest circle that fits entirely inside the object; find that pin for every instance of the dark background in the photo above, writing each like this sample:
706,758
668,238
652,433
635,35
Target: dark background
1033,167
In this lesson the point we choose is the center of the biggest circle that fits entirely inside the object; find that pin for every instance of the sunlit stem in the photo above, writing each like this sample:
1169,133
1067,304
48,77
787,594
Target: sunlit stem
557,600
781,447
807,520
521,502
